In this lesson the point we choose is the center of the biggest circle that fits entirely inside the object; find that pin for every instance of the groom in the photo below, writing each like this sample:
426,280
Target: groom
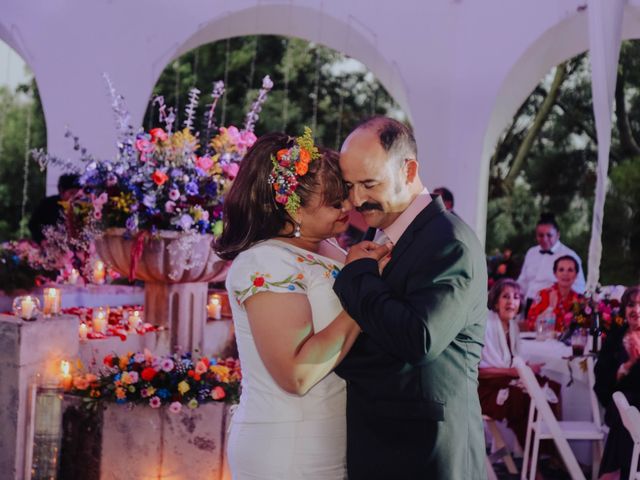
412,391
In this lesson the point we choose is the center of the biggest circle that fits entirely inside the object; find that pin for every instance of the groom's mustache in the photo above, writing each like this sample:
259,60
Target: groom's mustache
369,206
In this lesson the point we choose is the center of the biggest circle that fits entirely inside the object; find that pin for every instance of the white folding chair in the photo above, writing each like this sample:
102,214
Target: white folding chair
631,420
500,446
543,425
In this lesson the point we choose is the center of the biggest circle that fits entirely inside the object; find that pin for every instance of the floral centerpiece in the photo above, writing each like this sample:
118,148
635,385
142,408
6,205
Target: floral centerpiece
163,179
591,312
174,380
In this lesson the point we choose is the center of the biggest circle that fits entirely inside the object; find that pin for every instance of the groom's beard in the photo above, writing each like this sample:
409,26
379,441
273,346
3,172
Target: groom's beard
369,206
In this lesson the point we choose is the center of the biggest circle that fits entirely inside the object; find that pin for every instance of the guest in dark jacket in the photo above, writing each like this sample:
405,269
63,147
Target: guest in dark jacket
618,369
49,210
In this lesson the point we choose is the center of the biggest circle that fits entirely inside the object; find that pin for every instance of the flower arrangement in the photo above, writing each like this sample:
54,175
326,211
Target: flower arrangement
584,310
174,380
23,266
161,179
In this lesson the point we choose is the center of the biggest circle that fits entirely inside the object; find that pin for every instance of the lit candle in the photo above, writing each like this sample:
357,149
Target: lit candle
214,308
28,306
99,321
99,272
73,277
135,320
65,380
52,301
83,330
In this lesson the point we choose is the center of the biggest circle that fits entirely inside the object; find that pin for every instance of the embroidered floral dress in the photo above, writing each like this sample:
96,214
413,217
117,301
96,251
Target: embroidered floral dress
276,434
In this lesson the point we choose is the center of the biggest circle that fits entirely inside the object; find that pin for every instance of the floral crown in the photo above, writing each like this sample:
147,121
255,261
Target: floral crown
289,164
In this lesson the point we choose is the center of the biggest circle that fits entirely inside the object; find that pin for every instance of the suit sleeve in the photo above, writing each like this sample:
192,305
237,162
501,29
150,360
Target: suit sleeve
420,325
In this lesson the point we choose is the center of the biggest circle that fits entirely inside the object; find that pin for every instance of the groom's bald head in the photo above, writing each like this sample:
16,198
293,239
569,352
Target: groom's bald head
395,137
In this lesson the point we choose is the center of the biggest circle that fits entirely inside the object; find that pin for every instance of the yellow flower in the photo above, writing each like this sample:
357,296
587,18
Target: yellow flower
221,372
183,387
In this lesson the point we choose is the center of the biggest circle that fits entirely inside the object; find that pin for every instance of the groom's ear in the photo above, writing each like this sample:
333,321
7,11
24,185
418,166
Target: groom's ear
411,169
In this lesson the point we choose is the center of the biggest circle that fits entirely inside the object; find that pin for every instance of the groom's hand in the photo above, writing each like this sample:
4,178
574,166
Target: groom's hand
368,250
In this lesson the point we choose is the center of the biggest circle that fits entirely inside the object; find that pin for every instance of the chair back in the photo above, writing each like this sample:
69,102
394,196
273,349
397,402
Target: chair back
595,406
539,401
629,414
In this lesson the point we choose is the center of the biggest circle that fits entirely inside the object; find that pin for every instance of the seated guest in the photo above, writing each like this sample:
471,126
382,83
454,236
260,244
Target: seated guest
536,272
49,210
618,369
560,296
501,397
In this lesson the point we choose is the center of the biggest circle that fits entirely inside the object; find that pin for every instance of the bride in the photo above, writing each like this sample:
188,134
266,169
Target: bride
286,205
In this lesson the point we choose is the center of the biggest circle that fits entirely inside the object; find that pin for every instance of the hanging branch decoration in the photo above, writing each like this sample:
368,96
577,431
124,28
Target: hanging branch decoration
190,111
218,91
25,183
254,112
167,119
126,134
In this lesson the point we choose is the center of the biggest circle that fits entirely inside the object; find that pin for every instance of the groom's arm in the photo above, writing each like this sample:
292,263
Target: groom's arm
418,326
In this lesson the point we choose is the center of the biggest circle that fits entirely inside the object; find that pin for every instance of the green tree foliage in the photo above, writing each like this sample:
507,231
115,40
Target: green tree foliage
558,173
18,110
346,92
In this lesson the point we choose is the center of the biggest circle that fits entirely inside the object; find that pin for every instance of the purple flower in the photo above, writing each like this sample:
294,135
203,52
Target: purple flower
132,223
175,172
149,200
191,188
139,358
111,180
185,221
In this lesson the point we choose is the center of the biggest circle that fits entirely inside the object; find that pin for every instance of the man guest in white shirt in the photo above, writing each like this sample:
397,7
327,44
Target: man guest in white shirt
537,269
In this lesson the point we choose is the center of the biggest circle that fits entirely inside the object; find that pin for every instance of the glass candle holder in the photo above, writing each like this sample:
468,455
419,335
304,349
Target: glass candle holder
83,331
99,272
52,301
99,320
214,307
135,319
26,307
73,277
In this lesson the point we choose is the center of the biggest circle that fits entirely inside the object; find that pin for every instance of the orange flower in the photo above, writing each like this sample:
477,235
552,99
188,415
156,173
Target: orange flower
305,156
300,276
302,168
282,153
159,177
300,259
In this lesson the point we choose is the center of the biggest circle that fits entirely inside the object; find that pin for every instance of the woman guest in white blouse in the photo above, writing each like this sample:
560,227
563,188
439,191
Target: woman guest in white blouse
500,395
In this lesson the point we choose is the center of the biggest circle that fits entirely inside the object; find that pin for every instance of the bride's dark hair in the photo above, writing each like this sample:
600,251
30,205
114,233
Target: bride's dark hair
251,213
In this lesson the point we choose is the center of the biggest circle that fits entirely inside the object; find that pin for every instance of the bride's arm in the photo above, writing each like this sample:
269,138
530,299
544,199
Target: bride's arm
297,357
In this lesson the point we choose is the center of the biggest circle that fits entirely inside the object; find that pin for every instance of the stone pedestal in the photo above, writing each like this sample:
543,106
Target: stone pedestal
147,443
27,349
176,268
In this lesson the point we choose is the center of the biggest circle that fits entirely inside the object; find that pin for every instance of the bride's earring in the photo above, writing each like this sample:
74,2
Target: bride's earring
296,230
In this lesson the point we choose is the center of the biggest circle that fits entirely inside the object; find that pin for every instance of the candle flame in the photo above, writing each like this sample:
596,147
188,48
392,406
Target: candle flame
64,367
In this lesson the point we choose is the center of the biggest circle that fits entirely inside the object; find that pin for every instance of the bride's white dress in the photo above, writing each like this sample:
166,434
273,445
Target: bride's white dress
274,434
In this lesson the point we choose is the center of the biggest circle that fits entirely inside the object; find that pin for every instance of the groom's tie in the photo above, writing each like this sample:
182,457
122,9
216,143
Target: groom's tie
381,238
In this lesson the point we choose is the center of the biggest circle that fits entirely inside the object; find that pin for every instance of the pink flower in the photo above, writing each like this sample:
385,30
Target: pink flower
205,163
144,146
158,134
133,377
174,194
155,402
170,206
201,368
231,170
588,310
218,393
139,358
175,407
167,365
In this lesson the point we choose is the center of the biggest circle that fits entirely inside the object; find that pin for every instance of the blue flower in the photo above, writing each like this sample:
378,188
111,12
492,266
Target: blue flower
291,287
335,272
163,393
191,188
149,200
132,222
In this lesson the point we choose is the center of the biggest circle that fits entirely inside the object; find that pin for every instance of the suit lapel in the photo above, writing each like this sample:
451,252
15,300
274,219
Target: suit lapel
435,207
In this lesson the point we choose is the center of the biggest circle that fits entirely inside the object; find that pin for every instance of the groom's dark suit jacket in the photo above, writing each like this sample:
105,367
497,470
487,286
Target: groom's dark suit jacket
412,376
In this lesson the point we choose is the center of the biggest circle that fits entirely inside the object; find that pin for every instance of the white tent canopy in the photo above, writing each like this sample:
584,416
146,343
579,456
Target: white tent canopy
459,69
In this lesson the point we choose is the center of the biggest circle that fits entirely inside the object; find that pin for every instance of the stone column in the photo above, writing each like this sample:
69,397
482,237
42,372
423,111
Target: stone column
27,349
